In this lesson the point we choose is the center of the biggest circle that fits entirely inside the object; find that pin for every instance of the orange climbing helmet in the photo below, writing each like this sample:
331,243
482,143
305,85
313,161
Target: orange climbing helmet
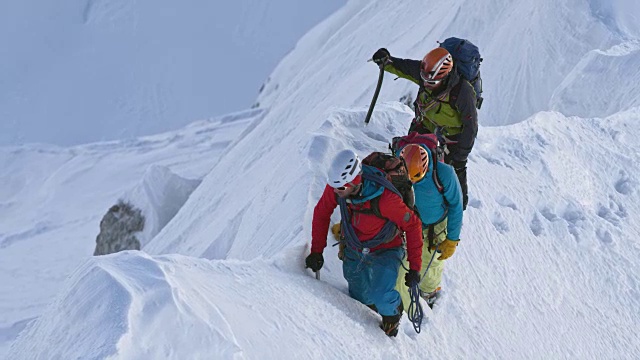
417,160
435,66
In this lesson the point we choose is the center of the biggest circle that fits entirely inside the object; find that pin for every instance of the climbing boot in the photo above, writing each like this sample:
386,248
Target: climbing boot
431,297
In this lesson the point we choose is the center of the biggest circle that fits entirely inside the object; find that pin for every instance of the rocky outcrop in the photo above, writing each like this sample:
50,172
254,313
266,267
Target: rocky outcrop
118,229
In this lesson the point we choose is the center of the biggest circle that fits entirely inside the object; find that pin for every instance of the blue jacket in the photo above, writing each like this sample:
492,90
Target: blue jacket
430,202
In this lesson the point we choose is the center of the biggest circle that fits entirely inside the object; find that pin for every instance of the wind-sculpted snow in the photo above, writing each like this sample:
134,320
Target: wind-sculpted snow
52,200
547,239
160,194
174,307
148,207
547,266
529,49
547,250
264,212
612,74
94,298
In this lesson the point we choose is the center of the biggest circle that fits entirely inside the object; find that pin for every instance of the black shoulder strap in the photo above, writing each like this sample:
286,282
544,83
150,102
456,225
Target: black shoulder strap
375,207
453,94
437,181
436,178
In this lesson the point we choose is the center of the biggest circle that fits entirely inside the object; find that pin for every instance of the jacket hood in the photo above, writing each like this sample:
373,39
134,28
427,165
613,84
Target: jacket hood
370,189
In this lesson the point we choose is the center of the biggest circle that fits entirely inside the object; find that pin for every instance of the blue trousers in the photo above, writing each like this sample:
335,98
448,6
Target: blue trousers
372,278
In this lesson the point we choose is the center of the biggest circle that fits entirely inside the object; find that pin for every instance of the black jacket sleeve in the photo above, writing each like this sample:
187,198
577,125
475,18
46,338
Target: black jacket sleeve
405,68
466,106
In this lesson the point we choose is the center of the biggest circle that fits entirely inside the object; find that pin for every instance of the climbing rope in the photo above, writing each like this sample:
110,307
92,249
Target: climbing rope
415,312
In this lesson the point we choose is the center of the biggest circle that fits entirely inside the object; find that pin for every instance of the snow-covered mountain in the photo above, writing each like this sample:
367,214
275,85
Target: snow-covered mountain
52,200
547,268
94,70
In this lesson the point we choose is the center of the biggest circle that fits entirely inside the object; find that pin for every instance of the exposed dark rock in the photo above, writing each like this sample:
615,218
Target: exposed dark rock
118,229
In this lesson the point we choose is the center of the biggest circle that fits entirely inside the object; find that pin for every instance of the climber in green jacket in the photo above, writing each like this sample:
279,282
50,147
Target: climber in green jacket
445,104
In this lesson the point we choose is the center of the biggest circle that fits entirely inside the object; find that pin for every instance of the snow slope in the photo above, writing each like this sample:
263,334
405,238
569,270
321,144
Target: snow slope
298,107
52,200
529,50
551,261
613,74
548,264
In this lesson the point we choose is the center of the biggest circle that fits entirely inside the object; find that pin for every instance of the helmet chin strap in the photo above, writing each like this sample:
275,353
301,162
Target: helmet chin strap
355,192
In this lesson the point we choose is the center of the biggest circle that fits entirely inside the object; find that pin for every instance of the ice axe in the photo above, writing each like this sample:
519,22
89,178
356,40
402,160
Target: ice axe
375,94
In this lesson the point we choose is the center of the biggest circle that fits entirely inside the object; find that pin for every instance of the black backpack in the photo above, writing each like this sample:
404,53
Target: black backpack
395,170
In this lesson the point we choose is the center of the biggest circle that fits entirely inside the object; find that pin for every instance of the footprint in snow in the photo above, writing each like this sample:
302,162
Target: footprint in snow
613,212
624,185
475,203
536,226
548,214
506,202
604,236
500,224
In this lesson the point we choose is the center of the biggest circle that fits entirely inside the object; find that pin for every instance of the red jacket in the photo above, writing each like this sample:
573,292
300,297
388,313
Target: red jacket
366,226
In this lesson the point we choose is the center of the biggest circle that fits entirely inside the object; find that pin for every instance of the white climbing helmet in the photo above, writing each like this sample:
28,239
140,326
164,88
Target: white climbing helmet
344,168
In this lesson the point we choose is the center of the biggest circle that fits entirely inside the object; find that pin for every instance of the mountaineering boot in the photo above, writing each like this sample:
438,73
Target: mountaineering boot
431,297
391,323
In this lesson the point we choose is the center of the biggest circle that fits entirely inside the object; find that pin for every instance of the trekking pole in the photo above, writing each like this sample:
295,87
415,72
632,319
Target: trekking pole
318,275
375,94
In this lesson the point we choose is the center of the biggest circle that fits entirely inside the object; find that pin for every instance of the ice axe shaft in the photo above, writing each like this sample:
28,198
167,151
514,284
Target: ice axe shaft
375,95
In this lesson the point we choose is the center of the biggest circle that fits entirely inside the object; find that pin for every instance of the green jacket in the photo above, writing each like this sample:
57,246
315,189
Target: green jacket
452,107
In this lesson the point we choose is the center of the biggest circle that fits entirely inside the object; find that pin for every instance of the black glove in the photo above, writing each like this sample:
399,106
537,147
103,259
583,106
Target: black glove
315,261
381,57
412,278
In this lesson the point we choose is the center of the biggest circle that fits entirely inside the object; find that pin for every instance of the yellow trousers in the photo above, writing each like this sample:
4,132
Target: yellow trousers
431,280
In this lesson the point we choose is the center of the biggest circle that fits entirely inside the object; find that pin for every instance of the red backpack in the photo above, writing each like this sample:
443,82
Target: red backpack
430,141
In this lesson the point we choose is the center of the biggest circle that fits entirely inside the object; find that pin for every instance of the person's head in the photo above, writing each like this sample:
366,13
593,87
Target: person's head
435,67
417,160
345,173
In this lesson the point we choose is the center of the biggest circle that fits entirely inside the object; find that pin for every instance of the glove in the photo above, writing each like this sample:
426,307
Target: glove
335,230
412,278
381,57
447,248
314,261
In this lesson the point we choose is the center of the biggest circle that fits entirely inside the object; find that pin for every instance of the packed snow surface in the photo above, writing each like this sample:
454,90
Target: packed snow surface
548,261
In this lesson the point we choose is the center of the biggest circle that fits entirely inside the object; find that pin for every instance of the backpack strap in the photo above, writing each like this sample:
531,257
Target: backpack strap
374,204
388,232
438,183
436,178
404,187
373,209
453,95
455,91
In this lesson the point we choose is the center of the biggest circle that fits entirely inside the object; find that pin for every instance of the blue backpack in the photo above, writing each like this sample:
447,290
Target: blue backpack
466,60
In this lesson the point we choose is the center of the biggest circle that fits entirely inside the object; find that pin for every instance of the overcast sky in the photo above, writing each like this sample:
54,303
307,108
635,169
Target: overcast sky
79,72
